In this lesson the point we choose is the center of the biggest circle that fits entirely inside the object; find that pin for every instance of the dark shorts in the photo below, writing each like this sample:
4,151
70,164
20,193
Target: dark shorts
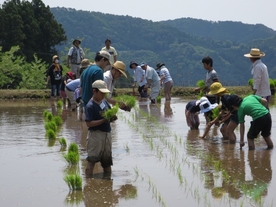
141,89
234,117
262,124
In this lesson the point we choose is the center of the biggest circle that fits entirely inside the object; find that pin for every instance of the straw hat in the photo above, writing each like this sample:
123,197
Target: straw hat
216,88
254,53
85,63
119,65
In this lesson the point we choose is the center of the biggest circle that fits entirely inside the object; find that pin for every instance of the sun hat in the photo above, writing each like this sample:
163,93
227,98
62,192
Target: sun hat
105,54
101,85
132,62
143,64
206,106
75,40
55,57
216,88
85,63
159,65
120,66
255,53
202,99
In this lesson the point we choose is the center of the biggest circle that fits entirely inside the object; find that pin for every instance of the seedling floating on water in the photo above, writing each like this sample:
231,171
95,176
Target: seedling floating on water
72,157
59,104
51,125
57,120
51,134
62,142
158,99
74,181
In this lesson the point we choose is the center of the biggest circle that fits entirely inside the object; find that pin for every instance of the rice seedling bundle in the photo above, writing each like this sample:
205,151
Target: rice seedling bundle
74,181
72,157
110,113
130,101
51,134
51,125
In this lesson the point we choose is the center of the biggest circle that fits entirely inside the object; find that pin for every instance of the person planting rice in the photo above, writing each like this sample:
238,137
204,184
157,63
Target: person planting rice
98,142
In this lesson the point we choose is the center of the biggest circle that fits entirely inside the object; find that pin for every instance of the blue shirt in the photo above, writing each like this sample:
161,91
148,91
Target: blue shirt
73,85
89,75
93,112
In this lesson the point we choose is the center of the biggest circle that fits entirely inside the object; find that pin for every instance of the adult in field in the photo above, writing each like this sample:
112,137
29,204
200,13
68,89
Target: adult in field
165,79
153,81
75,56
112,51
261,85
140,78
92,73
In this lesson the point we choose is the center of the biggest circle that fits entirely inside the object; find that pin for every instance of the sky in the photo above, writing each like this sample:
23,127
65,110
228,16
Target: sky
246,11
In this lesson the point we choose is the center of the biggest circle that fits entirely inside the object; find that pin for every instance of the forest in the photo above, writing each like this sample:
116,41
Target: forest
38,32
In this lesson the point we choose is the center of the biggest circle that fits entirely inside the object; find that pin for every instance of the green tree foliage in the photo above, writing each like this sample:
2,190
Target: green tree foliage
15,72
32,26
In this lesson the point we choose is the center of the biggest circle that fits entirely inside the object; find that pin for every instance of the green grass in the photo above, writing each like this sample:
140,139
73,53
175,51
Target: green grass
74,181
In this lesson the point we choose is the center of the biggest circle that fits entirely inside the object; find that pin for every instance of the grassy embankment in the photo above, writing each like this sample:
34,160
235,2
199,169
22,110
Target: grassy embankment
185,92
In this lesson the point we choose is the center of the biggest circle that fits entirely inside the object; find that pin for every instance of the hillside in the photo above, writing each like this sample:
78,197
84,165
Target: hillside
144,40
222,30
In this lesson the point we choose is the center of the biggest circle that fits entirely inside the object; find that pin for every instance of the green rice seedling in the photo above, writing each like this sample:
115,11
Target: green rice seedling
51,125
72,157
57,120
73,147
62,141
51,142
215,112
49,116
74,181
45,113
110,113
51,134
130,101
158,99
59,104
200,84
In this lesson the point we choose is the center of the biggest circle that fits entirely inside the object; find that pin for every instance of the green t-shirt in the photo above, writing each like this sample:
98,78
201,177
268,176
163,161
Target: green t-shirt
251,106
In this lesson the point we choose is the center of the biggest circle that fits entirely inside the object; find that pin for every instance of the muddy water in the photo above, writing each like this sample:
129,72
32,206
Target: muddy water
157,160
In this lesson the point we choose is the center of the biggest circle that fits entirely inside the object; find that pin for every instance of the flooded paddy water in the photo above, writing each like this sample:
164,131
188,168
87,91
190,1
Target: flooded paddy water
157,161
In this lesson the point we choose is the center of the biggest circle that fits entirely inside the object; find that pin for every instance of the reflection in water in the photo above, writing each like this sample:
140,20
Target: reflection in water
99,192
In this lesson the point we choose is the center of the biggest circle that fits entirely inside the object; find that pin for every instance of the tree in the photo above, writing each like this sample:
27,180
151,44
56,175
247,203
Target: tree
33,28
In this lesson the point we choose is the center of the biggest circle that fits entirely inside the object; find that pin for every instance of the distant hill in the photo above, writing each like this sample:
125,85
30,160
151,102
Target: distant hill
222,30
143,40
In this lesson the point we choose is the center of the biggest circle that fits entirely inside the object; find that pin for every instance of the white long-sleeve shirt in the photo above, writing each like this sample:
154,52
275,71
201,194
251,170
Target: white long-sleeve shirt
261,79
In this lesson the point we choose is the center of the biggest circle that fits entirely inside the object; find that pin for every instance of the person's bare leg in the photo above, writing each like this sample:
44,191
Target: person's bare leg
89,169
230,131
269,142
251,144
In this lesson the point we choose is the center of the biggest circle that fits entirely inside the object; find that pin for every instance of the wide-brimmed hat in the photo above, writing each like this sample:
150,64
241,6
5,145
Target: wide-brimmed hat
216,88
75,40
206,106
85,63
202,99
255,53
101,85
131,63
55,57
159,65
120,66
143,64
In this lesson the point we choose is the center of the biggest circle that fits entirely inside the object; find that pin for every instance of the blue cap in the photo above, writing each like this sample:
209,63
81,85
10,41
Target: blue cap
142,64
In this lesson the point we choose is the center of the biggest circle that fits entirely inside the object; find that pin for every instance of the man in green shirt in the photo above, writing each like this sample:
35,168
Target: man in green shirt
253,106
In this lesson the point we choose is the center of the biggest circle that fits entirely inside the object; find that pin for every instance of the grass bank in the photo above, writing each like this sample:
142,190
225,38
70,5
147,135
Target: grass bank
185,92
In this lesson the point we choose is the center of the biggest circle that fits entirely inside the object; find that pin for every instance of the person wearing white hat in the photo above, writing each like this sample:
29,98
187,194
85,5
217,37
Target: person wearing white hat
261,85
191,112
98,142
206,107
